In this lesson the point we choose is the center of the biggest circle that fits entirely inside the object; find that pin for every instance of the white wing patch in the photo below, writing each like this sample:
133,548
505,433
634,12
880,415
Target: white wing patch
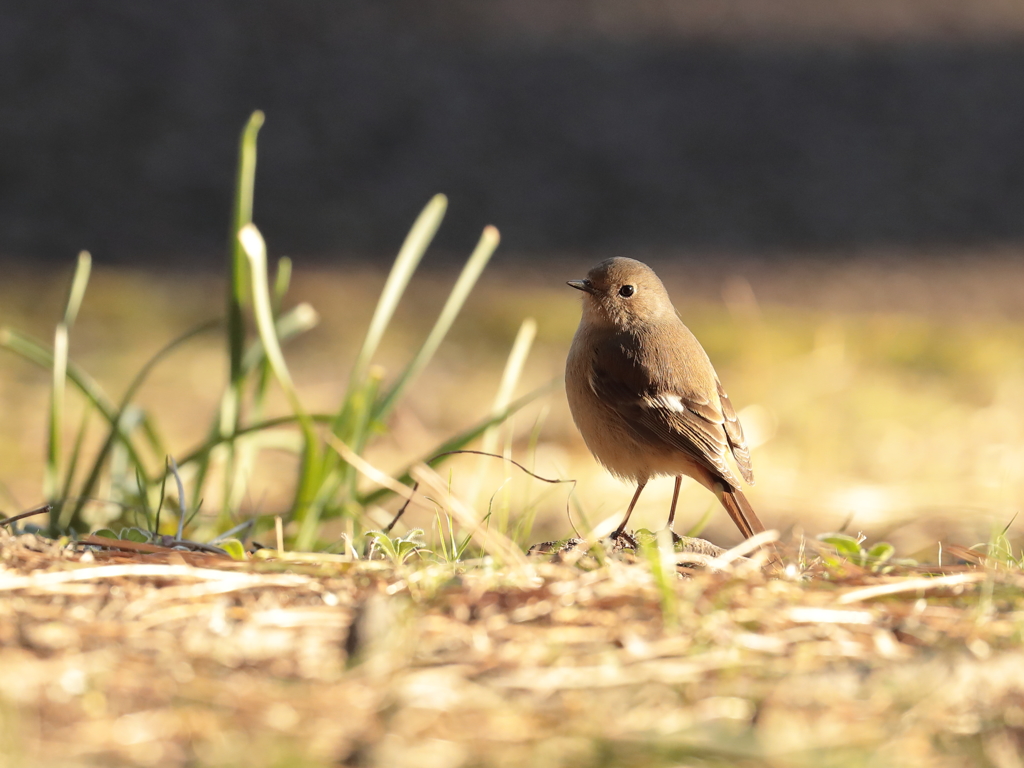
668,402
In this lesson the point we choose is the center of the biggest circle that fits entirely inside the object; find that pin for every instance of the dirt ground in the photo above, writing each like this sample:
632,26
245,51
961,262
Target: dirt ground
180,659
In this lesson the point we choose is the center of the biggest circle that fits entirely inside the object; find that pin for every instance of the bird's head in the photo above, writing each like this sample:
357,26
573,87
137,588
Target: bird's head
624,293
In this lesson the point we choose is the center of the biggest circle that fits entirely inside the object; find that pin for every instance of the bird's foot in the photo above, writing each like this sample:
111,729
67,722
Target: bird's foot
624,542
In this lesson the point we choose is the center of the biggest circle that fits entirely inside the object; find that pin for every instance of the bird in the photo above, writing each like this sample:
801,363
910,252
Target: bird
644,394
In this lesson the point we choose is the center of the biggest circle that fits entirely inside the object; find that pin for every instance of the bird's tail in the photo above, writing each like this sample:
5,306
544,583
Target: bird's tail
747,521
740,511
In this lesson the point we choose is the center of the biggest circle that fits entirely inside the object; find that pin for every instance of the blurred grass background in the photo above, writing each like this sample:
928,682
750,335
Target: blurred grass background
883,395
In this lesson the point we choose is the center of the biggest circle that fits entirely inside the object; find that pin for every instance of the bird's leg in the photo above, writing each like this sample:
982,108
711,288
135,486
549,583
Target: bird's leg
622,526
675,498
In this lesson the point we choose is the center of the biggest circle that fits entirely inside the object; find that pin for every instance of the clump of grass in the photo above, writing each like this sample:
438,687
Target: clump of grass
878,558
124,481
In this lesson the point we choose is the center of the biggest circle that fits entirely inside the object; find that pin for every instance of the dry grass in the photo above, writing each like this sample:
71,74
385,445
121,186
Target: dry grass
181,659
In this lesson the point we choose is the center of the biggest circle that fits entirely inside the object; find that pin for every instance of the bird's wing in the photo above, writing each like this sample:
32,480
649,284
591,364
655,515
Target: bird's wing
667,413
734,431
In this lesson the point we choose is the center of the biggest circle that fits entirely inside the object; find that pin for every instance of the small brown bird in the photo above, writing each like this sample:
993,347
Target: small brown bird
645,396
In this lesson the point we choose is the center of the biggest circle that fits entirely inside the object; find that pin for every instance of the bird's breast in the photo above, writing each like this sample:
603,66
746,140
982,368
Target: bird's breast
604,430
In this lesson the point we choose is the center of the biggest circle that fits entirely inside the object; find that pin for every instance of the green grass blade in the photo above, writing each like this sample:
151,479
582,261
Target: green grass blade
31,350
460,292
510,376
36,352
509,380
304,317
181,499
298,320
459,441
198,453
294,322
52,481
143,494
237,294
335,477
73,517
238,286
409,256
121,477
83,268
163,493
256,251
282,280
76,452
51,476
156,443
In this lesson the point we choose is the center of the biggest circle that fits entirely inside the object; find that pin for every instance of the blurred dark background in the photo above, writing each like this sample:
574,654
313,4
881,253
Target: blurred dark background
603,125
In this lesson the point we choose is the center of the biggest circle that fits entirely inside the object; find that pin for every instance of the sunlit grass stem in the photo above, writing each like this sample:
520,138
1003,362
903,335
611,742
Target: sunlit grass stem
256,252
53,483
408,259
237,299
509,380
464,285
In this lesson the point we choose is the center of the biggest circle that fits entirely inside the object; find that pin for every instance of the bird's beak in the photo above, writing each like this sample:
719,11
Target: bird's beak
581,285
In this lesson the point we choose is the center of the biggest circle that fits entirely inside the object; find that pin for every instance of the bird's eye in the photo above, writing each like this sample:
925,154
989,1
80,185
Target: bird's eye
626,291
